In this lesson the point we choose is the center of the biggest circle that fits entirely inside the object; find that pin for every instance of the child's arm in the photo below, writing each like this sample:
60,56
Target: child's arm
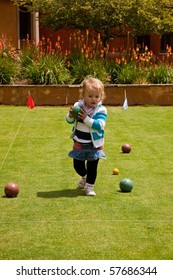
97,122
69,117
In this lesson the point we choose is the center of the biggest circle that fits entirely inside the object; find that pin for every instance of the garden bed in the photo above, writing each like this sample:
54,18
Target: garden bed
55,95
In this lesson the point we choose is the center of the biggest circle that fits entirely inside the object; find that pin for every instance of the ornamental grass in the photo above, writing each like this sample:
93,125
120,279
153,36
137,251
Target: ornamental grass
50,63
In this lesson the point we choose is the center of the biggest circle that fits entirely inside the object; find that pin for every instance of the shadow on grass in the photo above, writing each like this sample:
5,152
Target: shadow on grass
10,197
62,193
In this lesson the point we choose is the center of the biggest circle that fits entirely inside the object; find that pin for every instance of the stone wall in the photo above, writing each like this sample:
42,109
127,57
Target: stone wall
68,94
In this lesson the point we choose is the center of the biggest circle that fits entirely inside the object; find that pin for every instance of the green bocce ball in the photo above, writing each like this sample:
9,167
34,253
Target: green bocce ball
75,110
126,185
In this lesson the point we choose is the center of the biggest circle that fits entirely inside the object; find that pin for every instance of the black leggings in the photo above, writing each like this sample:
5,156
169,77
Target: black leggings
89,169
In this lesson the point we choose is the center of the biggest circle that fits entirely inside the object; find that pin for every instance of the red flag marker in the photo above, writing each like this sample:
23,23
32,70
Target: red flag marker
30,102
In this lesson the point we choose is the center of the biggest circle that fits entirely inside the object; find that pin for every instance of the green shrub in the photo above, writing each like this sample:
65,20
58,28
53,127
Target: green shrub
113,69
132,74
48,64
82,67
28,55
46,70
161,74
8,70
128,74
9,64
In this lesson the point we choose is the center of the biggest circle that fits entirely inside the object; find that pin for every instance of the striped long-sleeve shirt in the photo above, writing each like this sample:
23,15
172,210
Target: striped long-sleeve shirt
92,128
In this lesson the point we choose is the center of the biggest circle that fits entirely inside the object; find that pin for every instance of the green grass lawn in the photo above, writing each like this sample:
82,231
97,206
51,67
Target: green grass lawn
52,219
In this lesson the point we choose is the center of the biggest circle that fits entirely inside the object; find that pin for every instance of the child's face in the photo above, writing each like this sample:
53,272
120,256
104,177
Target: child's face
92,98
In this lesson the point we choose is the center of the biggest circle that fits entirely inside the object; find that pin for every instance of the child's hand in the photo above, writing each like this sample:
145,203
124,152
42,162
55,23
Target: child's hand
82,114
70,112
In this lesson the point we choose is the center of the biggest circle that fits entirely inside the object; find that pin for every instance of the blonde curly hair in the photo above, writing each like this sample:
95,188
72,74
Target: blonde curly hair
92,84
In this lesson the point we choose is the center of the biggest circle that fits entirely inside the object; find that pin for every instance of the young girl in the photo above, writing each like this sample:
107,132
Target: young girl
88,133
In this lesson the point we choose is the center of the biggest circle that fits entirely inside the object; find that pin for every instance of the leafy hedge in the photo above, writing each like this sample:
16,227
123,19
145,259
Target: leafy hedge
46,64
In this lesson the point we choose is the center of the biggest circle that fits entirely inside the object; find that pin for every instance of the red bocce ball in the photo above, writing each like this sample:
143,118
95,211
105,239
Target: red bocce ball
126,148
11,190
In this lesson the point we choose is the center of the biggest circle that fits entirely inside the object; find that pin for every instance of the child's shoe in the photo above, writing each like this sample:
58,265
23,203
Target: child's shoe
89,190
82,182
